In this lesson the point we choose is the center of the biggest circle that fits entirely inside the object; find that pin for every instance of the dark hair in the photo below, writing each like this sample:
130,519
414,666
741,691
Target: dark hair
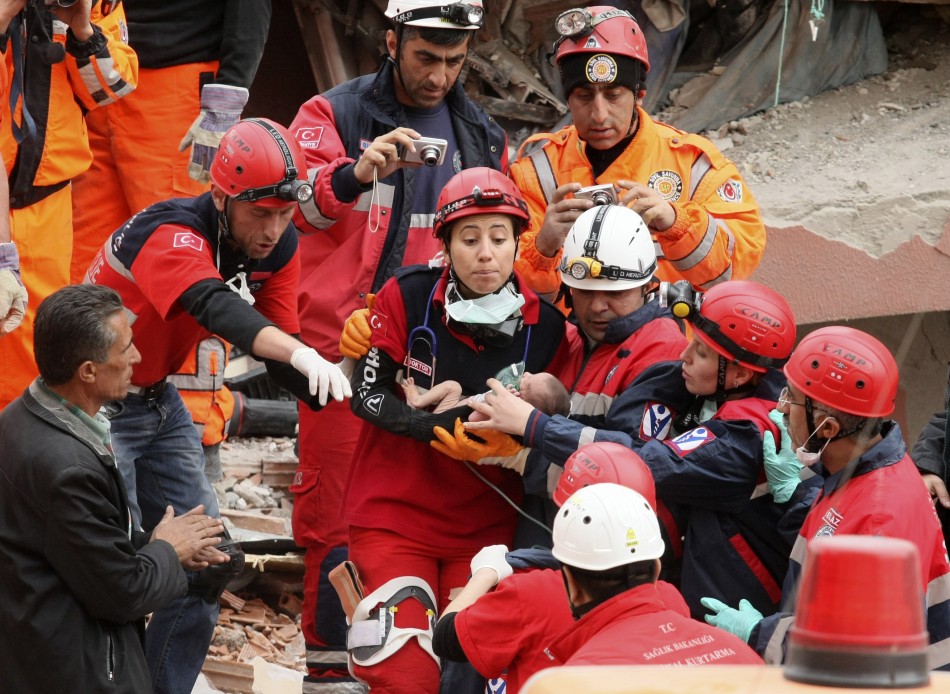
603,585
71,327
440,37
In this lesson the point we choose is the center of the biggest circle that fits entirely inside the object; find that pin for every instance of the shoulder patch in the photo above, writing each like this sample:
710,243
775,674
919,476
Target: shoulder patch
731,191
691,440
656,423
186,239
309,138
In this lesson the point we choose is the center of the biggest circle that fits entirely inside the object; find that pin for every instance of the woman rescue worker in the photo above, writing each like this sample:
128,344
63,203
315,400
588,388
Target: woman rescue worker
414,514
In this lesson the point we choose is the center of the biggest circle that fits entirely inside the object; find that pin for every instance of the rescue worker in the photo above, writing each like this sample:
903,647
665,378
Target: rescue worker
190,91
702,215
701,423
607,539
371,214
223,263
418,515
842,384
13,295
527,607
930,455
70,60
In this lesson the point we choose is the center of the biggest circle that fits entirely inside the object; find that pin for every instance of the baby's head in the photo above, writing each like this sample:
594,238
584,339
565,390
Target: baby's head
546,393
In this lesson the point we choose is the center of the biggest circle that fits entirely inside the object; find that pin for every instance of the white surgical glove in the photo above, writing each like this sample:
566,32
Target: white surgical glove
492,557
13,296
324,376
221,106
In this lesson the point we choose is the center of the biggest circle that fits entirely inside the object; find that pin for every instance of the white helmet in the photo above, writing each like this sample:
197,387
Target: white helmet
604,526
609,248
468,15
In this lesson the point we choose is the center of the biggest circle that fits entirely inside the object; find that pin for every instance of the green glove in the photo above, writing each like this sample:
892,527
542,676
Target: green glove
740,622
781,466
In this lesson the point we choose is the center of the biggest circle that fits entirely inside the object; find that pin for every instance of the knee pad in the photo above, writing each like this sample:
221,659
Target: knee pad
373,635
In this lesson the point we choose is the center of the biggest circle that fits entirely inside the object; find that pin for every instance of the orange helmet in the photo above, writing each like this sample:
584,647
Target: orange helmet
259,161
480,190
845,369
746,322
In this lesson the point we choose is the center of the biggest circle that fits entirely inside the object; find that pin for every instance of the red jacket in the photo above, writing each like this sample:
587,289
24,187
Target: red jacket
636,628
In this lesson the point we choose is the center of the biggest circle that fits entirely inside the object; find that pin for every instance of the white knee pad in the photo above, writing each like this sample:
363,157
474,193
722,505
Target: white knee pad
373,635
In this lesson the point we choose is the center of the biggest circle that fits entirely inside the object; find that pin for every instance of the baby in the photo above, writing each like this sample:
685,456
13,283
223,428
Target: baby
542,390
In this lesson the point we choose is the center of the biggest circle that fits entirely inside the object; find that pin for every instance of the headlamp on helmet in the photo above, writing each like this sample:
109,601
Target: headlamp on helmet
464,15
589,265
290,189
490,197
575,22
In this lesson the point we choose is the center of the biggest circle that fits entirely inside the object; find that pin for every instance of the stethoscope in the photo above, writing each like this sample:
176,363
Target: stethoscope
424,337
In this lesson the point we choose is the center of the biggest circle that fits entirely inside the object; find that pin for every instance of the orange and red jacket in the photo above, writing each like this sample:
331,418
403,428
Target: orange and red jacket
57,95
718,233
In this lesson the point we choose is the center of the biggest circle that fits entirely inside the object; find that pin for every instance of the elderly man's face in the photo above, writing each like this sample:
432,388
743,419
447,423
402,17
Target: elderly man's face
114,376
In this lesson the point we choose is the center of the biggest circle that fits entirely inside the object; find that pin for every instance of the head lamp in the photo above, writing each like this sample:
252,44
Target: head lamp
290,189
491,197
466,15
462,14
573,23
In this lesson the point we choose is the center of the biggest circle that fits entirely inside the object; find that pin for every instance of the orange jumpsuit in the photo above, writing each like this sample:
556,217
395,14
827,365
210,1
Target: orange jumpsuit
41,168
718,233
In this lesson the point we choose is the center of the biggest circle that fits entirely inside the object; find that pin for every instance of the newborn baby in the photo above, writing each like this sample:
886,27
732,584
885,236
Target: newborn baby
542,390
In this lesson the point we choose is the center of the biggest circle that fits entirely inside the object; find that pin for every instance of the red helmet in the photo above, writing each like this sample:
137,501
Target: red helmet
601,29
748,323
845,369
259,161
605,462
479,191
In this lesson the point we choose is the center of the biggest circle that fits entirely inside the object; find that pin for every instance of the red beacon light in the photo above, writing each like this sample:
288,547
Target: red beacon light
860,618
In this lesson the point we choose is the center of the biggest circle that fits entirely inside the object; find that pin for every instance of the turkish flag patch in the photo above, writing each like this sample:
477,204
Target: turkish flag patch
691,440
186,239
309,138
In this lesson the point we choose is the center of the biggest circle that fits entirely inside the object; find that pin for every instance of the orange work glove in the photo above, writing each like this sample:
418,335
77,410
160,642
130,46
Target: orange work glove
498,447
355,339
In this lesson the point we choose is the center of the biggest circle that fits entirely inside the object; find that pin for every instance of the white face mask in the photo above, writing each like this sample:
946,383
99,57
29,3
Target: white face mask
490,309
807,458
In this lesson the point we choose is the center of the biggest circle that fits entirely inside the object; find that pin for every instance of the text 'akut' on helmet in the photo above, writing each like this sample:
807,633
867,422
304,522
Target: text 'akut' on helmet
604,461
600,45
845,369
604,526
258,161
609,248
480,190
747,323
468,15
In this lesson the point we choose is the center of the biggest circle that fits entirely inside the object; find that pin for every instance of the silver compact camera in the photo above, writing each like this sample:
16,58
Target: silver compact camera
604,194
429,151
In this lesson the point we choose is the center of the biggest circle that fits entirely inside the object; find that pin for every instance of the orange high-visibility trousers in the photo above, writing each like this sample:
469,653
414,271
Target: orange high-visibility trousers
136,159
43,236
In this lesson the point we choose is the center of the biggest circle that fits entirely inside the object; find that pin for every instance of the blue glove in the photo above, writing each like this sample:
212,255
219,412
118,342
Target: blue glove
13,296
221,107
740,622
781,467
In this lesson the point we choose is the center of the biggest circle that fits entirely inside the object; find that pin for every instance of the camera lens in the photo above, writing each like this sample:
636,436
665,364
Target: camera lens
429,155
601,198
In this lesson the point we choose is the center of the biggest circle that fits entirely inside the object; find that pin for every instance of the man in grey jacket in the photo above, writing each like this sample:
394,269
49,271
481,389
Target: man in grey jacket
76,580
